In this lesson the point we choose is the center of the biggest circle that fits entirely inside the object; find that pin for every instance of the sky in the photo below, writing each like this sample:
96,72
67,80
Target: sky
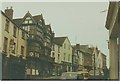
82,22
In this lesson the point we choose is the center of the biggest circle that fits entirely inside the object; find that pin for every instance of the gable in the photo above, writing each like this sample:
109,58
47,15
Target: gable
28,19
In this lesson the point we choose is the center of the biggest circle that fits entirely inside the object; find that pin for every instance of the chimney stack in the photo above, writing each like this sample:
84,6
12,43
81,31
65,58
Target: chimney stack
9,12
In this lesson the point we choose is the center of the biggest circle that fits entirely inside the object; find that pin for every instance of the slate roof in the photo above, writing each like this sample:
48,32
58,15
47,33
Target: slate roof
18,21
59,40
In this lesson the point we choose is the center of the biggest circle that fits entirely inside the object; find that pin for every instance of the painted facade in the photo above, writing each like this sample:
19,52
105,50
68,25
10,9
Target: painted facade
62,53
13,48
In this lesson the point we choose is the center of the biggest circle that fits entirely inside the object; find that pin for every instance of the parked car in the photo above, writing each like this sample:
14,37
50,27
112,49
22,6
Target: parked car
98,74
74,75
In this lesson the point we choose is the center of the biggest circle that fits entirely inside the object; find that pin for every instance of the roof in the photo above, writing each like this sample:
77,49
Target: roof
17,21
37,17
86,49
59,40
110,13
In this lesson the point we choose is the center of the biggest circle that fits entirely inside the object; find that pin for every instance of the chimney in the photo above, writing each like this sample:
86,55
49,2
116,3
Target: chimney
9,12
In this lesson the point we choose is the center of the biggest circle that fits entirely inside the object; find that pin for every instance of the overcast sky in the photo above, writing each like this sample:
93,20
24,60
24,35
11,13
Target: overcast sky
82,22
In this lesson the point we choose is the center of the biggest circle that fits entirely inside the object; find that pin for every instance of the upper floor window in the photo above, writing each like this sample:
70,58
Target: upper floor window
7,25
14,31
23,35
68,57
58,49
53,55
53,47
64,56
69,47
58,57
13,47
5,44
64,46
22,50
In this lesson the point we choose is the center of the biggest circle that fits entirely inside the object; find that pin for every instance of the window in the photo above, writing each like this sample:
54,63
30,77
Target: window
13,48
5,44
69,47
28,71
53,55
64,46
58,57
23,35
36,54
26,21
22,50
30,21
68,57
37,73
64,56
7,25
14,31
58,49
33,71
53,47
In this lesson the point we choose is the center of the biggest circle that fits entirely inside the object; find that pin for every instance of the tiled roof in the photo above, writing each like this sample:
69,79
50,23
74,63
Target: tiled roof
59,40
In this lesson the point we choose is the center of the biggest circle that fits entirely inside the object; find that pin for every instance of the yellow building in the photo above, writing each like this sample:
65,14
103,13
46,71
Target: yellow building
13,47
113,25
62,53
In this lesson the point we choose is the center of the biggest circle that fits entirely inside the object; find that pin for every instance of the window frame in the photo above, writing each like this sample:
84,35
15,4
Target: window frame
7,23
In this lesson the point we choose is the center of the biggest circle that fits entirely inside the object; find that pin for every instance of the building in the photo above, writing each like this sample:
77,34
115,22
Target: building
112,24
87,56
56,54
39,62
62,53
82,57
48,41
101,61
13,47
77,58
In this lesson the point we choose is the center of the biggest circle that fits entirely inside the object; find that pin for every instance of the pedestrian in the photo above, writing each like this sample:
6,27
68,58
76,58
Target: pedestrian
106,72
